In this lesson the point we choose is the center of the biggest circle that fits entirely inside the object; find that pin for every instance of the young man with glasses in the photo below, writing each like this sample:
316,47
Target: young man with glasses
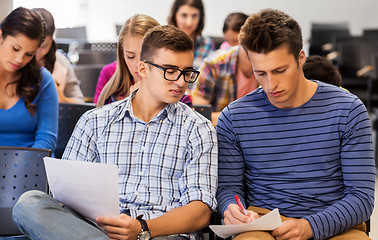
166,152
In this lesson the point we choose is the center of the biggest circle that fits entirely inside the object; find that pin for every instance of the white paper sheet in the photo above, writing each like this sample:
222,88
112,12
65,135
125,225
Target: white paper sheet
91,189
267,222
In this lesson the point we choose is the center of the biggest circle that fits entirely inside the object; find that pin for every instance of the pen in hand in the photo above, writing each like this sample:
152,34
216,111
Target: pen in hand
240,205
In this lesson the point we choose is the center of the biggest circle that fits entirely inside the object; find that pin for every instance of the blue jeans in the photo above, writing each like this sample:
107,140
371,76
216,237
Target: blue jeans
39,216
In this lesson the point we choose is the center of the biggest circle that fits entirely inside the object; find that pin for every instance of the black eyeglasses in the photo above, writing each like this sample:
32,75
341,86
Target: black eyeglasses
173,74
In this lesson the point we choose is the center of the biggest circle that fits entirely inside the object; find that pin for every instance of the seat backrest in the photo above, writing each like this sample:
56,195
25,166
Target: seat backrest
217,41
21,169
372,32
204,109
88,75
87,56
322,33
354,55
74,33
118,28
69,114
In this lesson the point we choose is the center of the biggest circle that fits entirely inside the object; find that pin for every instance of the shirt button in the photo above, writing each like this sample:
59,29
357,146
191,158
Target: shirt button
143,148
141,172
136,193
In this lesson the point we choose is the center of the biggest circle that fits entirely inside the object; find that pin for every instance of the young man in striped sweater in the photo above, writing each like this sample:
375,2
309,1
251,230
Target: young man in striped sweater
302,146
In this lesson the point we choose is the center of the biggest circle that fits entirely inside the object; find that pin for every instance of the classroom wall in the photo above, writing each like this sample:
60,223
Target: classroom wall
5,7
101,16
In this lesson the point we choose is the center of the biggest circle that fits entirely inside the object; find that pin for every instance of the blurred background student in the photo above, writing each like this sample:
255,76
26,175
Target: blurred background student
56,62
320,68
231,29
189,16
118,79
28,97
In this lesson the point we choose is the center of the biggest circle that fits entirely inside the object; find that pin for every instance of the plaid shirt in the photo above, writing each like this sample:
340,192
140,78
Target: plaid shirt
217,81
162,164
203,47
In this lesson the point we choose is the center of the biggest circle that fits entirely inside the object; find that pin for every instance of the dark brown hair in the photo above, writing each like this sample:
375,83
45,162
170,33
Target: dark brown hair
320,68
234,21
164,37
193,3
30,24
50,57
270,29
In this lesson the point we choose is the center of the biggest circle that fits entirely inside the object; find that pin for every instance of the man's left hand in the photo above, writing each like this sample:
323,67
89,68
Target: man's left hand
296,229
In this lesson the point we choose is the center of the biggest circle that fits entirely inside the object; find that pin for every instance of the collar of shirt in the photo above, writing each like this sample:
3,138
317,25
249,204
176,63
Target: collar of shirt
126,109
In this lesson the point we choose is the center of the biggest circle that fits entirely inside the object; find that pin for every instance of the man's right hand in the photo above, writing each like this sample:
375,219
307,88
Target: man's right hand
234,215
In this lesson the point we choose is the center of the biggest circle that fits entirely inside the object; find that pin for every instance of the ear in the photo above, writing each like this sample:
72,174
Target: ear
142,69
301,58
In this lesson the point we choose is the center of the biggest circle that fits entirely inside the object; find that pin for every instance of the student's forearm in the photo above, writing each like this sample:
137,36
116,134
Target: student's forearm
185,219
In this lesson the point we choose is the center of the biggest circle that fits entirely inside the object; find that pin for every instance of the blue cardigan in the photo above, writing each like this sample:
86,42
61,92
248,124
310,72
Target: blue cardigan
19,128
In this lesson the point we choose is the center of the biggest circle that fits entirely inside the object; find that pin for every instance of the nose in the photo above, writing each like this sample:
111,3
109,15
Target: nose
189,21
272,83
180,82
19,57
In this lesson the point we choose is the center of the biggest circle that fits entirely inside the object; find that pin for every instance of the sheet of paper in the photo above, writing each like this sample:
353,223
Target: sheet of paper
91,189
267,222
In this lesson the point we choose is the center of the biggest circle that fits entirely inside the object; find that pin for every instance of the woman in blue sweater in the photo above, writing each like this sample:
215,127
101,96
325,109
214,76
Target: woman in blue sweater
28,97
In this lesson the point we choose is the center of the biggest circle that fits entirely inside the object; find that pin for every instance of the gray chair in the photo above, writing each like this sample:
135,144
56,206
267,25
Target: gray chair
21,169
69,114
78,34
323,33
204,109
88,75
354,56
87,56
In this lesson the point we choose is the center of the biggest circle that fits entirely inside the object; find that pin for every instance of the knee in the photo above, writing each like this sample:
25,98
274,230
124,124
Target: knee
27,201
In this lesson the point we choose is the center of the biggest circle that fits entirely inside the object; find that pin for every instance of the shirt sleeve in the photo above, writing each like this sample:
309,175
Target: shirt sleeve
230,163
199,179
48,113
204,86
82,143
72,88
359,179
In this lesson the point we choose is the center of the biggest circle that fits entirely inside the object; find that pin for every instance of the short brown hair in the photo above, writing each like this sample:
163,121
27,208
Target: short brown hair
270,29
320,68
167,37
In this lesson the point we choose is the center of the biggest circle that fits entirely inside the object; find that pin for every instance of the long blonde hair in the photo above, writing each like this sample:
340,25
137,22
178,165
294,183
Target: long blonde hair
137,25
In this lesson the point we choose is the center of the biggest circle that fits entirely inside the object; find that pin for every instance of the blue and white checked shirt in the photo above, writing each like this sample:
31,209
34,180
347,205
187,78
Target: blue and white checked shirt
162,164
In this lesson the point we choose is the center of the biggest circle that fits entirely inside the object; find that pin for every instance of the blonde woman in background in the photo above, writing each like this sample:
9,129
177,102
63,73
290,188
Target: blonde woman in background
118,79
125,78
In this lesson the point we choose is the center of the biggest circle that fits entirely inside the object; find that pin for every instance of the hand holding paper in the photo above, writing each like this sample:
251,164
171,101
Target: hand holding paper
267,222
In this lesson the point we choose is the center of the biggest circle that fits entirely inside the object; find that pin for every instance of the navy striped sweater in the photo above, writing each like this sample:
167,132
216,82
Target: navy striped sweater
314,161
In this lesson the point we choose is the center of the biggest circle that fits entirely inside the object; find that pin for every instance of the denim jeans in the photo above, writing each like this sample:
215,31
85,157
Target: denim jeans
39,216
